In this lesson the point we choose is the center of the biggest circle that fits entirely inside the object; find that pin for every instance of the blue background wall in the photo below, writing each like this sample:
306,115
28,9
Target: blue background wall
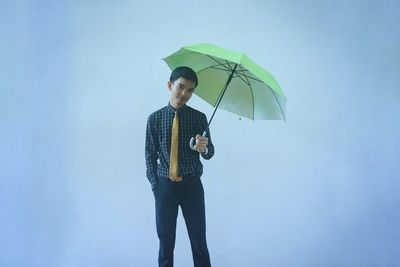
79,78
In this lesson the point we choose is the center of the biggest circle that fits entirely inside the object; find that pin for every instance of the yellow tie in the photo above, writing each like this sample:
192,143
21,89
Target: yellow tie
173,159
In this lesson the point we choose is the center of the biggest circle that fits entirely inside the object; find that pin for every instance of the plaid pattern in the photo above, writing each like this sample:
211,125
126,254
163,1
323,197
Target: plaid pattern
158,142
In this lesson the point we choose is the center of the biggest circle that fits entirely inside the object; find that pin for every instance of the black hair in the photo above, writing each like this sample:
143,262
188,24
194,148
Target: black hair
184,72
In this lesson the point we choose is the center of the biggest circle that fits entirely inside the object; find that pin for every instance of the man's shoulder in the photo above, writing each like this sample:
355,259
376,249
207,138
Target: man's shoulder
158,112
195,111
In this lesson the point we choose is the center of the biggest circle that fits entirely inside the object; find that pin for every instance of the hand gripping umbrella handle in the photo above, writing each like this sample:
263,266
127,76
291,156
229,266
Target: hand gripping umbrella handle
192,141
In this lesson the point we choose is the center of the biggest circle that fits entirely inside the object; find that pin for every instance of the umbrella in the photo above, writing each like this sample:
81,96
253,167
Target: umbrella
231,81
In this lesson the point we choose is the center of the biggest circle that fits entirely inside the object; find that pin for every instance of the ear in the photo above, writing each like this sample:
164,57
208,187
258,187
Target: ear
169,84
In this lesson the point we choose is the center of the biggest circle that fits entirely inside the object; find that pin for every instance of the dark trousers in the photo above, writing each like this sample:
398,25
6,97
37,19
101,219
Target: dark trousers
188,194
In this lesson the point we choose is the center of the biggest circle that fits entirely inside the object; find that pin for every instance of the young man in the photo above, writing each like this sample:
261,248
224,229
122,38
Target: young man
174,169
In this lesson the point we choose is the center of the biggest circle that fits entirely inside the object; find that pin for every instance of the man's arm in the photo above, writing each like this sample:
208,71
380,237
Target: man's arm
210,146
151,152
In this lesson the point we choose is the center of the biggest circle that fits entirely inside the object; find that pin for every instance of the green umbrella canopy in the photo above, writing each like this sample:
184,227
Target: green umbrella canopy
231,81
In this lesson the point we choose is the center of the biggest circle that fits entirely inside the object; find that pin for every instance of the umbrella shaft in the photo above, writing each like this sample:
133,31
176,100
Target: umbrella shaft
222,95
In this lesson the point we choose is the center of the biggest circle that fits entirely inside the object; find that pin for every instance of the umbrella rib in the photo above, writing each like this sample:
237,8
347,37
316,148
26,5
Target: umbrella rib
280,107
240,76
211,67
255,79
270,88
251,89
224,68
216,67
248,76
242,70
220,63
236,72
277,101
230,67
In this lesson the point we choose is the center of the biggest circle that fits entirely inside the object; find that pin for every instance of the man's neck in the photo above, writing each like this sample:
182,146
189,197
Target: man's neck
175,106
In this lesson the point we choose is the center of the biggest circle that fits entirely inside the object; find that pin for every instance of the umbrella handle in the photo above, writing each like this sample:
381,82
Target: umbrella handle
192,143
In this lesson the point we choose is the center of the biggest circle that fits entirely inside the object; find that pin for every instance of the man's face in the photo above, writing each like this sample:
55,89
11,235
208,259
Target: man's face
181,91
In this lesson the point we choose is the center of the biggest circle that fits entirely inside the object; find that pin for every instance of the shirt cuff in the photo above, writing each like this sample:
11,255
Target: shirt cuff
205,152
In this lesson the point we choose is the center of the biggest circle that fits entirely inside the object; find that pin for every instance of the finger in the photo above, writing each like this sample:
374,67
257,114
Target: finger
200,149
199,143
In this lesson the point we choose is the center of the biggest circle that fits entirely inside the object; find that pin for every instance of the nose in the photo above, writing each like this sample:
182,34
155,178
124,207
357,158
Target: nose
184,93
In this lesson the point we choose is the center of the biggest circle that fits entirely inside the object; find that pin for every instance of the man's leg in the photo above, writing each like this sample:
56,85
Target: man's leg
193,210
166,214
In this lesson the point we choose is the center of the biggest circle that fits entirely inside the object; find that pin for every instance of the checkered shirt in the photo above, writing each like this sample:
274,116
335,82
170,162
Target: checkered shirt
158,143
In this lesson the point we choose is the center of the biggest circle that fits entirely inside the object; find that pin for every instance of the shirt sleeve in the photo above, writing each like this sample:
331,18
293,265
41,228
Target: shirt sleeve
210,145
151,152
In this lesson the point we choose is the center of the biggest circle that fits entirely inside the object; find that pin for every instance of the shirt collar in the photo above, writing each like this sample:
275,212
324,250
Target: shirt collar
179,110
